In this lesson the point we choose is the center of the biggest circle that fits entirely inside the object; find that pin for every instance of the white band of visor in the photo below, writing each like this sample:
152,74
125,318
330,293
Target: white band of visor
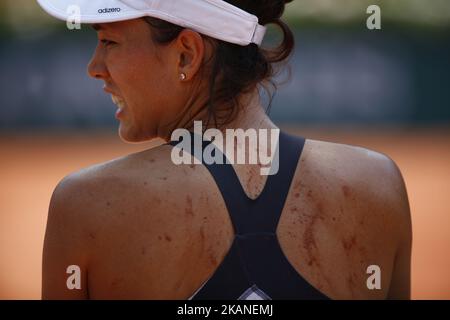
215,18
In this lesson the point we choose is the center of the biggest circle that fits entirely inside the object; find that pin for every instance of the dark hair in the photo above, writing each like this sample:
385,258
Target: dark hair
236,69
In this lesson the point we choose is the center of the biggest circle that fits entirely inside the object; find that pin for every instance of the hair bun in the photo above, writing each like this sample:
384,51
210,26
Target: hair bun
267,11
270,10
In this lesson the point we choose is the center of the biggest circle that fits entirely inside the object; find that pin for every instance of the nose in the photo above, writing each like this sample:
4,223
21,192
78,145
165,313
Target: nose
97,68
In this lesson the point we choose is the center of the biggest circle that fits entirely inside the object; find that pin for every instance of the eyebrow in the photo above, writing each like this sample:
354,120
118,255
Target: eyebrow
96,26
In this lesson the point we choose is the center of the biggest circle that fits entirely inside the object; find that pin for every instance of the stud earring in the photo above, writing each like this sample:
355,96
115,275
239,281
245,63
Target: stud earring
182,76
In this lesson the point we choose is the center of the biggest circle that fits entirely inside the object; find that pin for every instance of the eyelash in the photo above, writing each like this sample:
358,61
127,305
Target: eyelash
106,42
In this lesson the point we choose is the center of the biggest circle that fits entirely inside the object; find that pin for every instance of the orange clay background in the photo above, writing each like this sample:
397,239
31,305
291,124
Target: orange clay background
32,165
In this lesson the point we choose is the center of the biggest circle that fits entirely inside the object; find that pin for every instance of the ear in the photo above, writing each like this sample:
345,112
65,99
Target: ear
191,50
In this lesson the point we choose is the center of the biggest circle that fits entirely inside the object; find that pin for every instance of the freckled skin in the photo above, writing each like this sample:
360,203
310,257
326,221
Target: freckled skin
309,242
189,210
345,240
346,191
184,238
348,244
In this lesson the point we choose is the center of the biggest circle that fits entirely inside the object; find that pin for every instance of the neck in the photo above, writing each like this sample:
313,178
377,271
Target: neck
251,115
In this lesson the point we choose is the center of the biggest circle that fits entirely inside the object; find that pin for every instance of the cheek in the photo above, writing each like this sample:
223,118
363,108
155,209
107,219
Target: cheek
145,84
146,76
154,75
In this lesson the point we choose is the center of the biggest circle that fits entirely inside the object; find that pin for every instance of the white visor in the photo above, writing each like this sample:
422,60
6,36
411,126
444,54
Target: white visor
215,18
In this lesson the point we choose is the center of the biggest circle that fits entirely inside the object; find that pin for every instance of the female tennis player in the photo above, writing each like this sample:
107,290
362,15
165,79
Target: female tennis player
331,222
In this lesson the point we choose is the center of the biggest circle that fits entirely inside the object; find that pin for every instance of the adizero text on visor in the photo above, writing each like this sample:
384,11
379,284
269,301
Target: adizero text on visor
215,18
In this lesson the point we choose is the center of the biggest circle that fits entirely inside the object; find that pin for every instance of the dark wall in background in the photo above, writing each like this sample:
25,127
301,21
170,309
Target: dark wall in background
338,76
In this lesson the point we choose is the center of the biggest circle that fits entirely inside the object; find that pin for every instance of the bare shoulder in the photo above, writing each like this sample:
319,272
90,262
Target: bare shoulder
372,174
97,207
124,213
353,212
367,182
109,184
98,194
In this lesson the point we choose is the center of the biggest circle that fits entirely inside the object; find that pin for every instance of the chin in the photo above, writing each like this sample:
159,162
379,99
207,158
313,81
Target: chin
129,135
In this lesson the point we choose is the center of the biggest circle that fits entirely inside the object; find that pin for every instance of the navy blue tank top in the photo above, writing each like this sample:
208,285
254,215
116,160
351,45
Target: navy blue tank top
255,267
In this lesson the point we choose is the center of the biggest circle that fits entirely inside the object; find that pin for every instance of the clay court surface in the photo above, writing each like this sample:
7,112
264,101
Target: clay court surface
32,165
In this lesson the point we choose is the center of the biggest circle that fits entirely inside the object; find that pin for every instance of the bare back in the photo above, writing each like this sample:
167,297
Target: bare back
152,230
